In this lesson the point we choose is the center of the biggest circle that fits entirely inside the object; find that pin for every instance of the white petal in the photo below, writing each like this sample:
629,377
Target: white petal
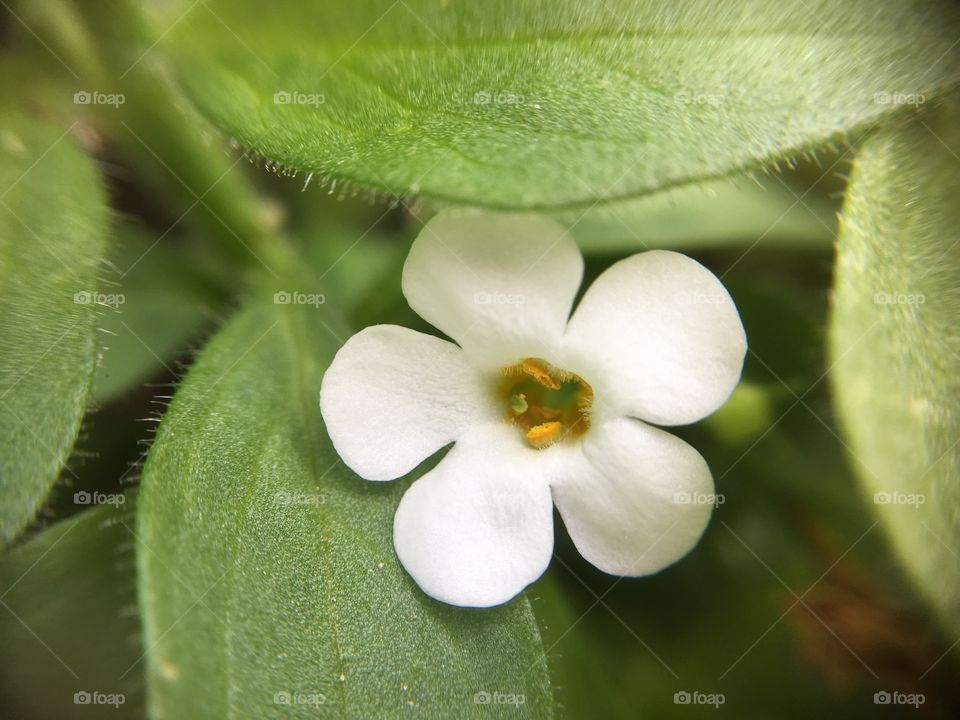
478,528
392,397
659,338
638,499
501,285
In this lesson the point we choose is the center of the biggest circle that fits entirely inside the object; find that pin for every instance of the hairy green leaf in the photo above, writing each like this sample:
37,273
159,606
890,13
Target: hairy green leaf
53,224
164,301
270,585
534,104
895,344
68,619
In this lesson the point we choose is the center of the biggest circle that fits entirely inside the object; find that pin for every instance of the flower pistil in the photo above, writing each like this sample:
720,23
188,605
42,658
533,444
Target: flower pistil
547,403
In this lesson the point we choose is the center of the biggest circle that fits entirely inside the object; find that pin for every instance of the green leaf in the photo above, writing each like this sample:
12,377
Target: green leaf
53,223
149,127
271,572
354,261
895,345
715,213
527,104
167,301
68,618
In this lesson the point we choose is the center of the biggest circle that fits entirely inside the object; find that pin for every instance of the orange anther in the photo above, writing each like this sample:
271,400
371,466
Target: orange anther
545,434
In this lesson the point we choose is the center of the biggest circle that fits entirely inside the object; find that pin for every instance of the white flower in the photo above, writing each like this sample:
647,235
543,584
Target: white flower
543,407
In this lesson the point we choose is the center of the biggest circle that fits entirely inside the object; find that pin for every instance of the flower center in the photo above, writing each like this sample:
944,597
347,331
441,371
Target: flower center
547,403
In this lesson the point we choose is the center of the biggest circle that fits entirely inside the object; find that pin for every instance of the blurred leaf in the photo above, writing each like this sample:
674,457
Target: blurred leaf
68,618
784,323
353,260
273,575
745,416
895,345
528,104
736,211
53,223
166,303
117,86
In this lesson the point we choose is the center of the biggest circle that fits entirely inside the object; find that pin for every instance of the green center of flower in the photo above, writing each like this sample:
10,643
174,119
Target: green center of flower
547,403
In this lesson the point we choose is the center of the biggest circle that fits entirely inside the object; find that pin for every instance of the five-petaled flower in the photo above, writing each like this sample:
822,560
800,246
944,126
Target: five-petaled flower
542,407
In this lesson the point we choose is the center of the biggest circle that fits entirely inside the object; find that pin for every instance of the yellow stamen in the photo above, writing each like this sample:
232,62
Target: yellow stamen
547,403
539,371
545,434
